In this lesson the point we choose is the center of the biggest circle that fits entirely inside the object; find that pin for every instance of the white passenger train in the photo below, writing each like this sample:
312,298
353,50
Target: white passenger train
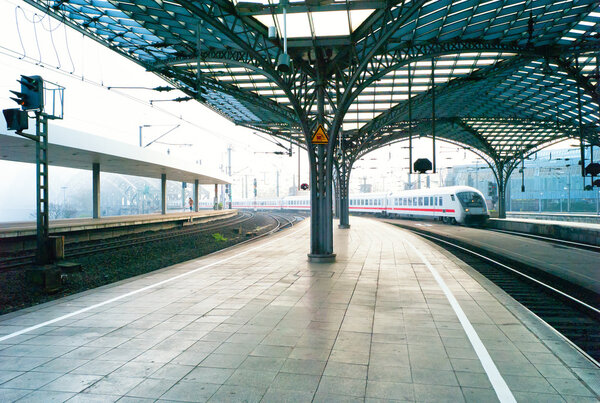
452,204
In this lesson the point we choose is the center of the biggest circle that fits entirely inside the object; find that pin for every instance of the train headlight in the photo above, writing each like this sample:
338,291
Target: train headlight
467,210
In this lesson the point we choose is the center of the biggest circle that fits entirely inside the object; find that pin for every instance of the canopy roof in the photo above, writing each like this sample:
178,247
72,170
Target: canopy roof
510,76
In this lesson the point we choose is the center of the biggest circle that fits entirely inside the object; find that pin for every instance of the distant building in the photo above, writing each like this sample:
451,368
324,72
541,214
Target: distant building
551,179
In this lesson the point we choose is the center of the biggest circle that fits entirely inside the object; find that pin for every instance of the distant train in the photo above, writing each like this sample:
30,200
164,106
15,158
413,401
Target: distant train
452,204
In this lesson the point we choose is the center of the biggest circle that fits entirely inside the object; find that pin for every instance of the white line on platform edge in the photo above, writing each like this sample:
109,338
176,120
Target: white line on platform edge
129,294
500,387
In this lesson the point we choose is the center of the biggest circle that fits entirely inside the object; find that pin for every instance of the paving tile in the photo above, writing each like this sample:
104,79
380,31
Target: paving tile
339,369
151,388
94,398
335,398
332,385
384,373
244,377
554,371
8,375
172,371
98,367
61,365
234,393
30,380
190,391
569,387
478,395
390,390
306,367
71,383
434,377
474,380
46,397
255,363
527,383
12,395
272,351
299,382
436,393
114,385
287,396
533,397
223,361
21,363
209,375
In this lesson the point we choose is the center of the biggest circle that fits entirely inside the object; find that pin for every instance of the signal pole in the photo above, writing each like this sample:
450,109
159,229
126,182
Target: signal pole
229,173
31,98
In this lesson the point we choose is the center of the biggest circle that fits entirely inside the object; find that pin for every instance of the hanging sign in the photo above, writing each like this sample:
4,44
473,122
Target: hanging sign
320,136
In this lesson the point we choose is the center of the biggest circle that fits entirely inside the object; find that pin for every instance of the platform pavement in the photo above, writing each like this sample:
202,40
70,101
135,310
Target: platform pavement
23,228
258,322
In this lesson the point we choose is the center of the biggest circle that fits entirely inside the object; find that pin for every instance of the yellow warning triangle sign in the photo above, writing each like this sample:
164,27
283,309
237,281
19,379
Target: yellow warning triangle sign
320,136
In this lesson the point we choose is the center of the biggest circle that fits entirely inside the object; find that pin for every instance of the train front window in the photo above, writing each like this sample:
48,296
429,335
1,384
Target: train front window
470,199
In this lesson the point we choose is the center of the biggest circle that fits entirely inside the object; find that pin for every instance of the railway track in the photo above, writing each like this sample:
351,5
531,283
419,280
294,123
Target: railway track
574,319
87,248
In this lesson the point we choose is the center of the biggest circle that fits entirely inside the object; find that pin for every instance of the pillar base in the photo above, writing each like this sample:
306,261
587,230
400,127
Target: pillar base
327,258
344,226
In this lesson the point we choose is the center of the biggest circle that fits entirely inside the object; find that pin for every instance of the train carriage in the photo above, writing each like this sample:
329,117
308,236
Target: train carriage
374,203
452,204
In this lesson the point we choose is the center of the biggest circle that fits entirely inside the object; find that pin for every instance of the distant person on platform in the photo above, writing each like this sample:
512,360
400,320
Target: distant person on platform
191,203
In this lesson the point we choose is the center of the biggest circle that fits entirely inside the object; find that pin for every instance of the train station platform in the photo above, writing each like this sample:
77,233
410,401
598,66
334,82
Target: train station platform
584,232
25,228
21,235
395,318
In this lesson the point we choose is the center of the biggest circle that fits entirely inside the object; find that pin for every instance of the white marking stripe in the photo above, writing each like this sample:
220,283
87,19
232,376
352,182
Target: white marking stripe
498,383
129,294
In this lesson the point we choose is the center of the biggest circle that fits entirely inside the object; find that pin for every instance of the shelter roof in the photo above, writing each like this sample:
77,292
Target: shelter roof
510,76
75,149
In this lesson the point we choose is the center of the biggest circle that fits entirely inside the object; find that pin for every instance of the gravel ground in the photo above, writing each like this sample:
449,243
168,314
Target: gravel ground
111,266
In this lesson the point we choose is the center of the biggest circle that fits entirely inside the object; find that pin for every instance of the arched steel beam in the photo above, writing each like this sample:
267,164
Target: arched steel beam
219,23
391,21
399,110
583,81
402,56
190,88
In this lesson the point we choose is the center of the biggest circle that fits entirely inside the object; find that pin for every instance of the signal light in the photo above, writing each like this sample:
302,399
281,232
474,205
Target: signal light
16,119
31,95
422,165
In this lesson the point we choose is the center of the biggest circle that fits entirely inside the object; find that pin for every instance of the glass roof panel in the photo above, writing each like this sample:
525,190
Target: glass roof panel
331,23
297,24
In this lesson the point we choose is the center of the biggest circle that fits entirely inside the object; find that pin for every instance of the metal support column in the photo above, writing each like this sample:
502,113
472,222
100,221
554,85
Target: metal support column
501,196
42,188
502,180
410,162
196,194
336,192
321,166
228,186
433,110
344,183
580,124
95,190
163,193
216,204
